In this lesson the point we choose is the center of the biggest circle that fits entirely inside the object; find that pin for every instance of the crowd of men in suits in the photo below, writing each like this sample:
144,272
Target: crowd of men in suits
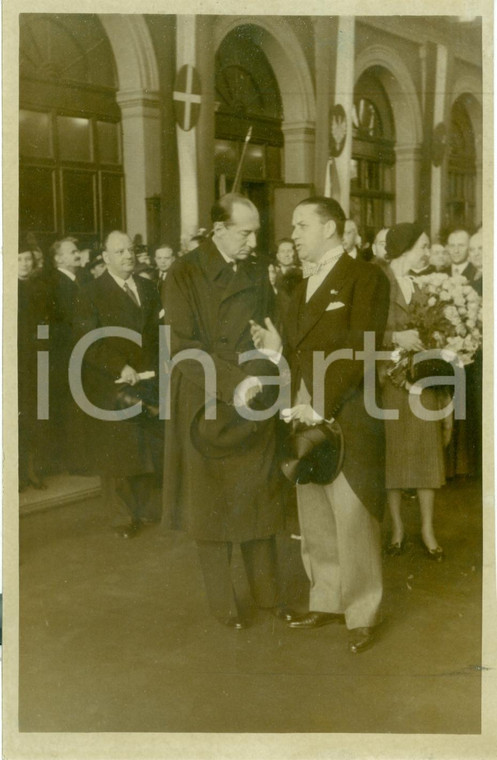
219,479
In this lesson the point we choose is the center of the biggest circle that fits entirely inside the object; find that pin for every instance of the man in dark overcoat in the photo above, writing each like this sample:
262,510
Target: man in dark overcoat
126,453
221,477
339,300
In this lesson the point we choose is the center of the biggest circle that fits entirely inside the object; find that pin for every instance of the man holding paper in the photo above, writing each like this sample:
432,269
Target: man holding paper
126,453
338,301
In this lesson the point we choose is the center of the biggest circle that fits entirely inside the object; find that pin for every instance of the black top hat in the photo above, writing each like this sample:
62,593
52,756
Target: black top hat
314,454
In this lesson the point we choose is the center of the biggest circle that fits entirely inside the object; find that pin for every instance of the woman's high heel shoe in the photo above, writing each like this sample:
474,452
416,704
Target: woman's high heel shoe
396,549
437,554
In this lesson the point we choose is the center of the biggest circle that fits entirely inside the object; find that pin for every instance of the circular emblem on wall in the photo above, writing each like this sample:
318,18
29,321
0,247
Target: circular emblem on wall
338,129
187,97
439,144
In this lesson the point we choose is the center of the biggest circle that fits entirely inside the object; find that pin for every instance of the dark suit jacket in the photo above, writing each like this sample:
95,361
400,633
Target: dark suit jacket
161,288
63,295
363,289
469,272
119,448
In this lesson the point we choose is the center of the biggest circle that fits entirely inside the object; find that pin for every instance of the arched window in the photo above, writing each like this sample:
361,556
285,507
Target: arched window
70,174
372,186
460,204
247,95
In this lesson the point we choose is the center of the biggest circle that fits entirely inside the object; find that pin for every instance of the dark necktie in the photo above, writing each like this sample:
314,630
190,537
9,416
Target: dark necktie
130,293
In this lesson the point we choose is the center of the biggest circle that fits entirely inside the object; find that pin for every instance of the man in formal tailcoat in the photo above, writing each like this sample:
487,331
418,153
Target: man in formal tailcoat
63,285
339,300
228,492
126,453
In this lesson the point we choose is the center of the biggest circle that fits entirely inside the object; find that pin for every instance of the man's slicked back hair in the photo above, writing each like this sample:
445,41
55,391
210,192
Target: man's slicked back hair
326,209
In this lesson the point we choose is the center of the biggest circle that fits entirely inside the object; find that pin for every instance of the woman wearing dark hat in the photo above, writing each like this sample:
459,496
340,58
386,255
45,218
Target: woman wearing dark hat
414,446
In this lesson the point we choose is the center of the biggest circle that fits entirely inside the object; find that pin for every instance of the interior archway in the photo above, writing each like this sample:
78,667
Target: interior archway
468,90
399,87
138,98
372,187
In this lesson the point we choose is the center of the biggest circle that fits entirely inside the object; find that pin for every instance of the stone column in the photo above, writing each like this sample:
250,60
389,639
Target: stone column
141,128
343,94
206,124
186,49
407,168
479,191
325,45
439,115
299,148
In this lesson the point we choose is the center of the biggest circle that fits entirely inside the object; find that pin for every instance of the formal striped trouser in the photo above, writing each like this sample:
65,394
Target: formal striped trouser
341,552
341,548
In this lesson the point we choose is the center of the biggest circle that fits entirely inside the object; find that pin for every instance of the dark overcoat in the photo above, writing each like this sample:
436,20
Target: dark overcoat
236,497
32,311
361,292
125,447
63,295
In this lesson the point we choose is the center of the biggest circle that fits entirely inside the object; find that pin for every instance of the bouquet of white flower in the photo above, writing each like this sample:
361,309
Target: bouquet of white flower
446,312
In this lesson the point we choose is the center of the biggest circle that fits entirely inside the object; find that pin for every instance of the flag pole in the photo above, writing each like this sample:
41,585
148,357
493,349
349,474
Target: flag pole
238,176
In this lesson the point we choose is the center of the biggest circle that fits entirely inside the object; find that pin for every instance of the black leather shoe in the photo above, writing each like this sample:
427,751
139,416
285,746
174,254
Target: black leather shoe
235,621
130,530
316,619
360,639
283,613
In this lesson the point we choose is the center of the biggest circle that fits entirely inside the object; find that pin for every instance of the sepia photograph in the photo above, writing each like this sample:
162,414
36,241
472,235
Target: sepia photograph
248,412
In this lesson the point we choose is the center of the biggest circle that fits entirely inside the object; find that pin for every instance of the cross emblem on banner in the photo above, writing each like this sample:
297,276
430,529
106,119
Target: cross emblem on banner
187,97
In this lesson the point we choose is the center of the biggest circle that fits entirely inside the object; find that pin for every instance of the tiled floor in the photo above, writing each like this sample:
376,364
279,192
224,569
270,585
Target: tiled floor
115,636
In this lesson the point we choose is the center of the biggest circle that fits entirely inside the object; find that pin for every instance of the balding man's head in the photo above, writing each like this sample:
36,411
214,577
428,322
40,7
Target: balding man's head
119,254
236,223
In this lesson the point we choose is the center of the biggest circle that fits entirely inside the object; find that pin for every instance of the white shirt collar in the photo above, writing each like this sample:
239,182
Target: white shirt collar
323,268
129,282
69,274
353,253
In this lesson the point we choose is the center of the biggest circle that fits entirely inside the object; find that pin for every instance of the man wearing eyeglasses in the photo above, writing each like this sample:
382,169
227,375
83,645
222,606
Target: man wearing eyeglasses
221,479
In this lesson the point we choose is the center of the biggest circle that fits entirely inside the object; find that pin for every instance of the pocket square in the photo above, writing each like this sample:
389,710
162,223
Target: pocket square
335,305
